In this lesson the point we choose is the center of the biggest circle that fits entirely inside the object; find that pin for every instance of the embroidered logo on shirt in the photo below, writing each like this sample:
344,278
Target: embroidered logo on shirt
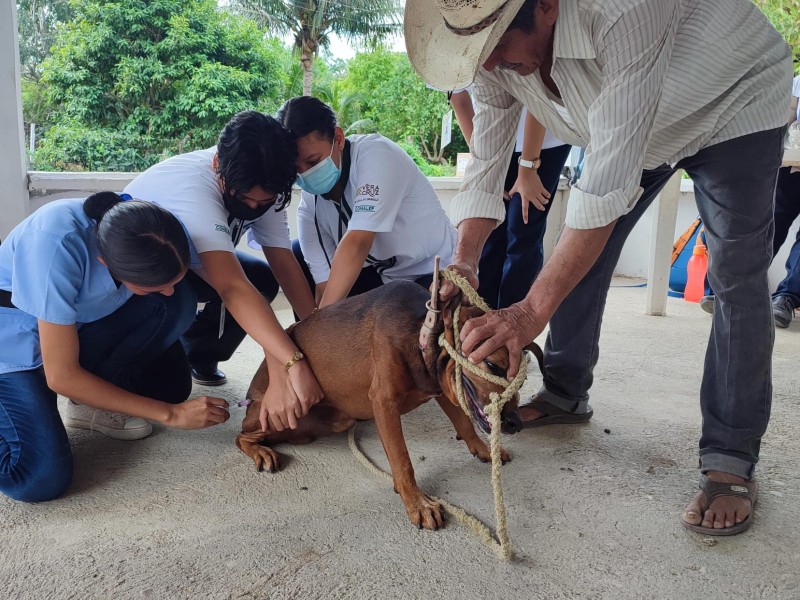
218,227
365,208
367,191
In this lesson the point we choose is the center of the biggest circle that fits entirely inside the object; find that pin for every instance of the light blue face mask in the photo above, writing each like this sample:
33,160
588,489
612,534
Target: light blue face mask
320,178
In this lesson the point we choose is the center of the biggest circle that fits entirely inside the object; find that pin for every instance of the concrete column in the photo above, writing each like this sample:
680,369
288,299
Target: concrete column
14,204
662,234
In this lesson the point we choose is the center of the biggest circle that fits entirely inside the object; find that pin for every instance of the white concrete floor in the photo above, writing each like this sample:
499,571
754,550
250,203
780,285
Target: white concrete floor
593,510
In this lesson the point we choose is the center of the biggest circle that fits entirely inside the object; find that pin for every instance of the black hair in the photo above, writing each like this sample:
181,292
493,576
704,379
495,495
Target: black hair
140,242
302,115
256,150
525,19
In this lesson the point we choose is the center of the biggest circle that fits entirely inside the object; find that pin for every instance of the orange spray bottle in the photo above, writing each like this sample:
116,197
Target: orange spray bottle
696,269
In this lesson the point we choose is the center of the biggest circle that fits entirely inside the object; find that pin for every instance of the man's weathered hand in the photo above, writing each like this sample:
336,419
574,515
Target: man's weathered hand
513,327
448,289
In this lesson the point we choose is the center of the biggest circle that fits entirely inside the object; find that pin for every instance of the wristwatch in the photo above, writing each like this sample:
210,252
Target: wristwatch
529,164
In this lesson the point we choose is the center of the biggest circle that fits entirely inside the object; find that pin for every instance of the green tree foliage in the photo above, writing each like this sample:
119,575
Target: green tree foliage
37,21
137,79
312,22
398,102
785,17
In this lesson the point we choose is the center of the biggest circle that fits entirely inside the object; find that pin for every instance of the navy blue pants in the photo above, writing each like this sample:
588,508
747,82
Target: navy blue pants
368,279
514,254
136,348
202,342
787,209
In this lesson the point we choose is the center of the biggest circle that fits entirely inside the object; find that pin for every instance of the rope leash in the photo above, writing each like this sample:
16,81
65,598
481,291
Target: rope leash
502,544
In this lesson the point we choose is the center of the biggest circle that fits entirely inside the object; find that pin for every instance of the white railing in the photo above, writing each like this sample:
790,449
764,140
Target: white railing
45,186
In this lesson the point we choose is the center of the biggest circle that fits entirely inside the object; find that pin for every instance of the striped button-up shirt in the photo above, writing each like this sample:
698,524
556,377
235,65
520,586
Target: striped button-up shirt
643,83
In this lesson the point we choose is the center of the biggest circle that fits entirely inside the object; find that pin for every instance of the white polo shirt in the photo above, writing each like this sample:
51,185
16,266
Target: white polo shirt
386,193
187,186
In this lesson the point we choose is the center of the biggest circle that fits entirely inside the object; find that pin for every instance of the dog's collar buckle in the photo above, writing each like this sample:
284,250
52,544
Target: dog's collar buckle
427,326
433,312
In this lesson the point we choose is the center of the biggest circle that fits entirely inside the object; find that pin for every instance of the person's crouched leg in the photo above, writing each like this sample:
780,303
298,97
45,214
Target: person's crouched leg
35,457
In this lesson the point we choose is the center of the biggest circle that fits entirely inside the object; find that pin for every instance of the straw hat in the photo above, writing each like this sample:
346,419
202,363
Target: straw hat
447,40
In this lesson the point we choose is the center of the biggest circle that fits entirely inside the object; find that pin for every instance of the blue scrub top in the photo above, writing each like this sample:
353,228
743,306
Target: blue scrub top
49,264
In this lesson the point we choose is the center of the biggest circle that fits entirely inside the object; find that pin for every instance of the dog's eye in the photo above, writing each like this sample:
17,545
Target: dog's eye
494,368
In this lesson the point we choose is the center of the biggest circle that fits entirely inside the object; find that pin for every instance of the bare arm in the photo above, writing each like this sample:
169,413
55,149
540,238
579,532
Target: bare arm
472,235
253,313
292,392
528,184
462,106
290,277
320,291
65,376
346,266
534,137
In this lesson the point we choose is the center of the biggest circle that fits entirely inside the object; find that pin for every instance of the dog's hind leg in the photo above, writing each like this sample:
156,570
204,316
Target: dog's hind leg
466,431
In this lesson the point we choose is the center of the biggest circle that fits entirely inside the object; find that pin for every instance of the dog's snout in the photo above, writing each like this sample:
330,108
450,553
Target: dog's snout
511,422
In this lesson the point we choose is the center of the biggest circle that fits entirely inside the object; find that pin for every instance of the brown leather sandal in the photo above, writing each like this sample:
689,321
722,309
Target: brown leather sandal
553,415
715,489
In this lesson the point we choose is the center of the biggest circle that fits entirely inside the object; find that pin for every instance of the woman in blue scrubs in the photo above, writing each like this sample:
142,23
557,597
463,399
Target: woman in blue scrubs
92,305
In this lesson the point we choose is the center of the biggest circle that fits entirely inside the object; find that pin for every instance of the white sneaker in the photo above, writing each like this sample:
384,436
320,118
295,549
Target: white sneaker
114,425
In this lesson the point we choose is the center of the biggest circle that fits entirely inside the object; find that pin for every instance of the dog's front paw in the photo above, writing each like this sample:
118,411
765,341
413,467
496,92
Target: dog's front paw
266,459
480,450
425,512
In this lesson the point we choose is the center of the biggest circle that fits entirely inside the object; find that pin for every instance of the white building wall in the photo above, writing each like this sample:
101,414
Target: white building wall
13,160
633,261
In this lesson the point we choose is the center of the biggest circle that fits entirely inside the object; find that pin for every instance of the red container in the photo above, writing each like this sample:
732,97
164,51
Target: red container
696,270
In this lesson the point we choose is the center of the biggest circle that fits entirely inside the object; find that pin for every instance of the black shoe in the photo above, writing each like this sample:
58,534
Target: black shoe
208,375
782,311
707,304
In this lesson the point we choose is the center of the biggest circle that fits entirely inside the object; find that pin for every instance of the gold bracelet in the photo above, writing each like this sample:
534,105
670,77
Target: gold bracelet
296,358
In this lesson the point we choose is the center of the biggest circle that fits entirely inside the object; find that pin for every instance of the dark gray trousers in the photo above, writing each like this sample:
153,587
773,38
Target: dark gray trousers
734,190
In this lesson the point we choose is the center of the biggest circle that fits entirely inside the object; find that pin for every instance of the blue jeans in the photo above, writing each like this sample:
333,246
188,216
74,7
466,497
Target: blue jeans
514,254
734,189
136,347
787,209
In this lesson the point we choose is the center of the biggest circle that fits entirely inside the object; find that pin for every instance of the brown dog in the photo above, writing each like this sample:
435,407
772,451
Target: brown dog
366,355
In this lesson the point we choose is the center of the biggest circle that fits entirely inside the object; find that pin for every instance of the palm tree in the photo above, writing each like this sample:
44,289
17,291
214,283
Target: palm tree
312,22
347,106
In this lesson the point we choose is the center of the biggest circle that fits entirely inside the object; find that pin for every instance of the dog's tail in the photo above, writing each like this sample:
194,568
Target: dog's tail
537,352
